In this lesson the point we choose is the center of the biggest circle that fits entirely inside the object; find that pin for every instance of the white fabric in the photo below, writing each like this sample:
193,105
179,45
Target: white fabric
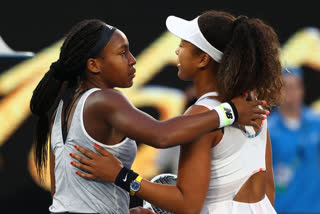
292,123
6,51
74,193
233,207
190,31
211,104
208,102
234,160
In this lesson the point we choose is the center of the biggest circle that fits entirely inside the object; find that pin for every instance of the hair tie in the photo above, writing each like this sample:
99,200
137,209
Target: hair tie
240,20
60,72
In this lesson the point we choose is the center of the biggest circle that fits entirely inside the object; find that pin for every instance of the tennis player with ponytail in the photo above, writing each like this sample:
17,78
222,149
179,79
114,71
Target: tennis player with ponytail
228,170
77,104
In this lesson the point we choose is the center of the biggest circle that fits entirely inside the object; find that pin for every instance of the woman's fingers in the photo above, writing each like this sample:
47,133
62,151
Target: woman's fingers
91,154
256,124
81,166
258,117
80,158
102,166
260,111
86,152
258,102
85,175
257,109
101,150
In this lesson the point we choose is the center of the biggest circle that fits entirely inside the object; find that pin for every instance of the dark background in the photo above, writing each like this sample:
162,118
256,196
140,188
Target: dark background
34,25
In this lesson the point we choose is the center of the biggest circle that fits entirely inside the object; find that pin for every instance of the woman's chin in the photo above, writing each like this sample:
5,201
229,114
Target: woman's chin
180,75
183,77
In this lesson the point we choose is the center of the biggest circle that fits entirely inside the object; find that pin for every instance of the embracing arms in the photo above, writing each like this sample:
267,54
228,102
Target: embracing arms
193,175
117,111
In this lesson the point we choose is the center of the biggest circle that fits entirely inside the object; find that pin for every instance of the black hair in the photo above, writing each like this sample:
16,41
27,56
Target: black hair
68,69
250,59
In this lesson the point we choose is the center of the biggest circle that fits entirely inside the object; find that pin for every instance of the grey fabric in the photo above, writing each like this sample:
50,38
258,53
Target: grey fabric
74,193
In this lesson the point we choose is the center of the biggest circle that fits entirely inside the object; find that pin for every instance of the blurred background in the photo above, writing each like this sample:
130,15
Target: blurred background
31,33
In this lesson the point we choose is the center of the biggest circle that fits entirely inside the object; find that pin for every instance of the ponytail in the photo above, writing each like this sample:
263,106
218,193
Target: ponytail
69,69
238,70
41,105
250,59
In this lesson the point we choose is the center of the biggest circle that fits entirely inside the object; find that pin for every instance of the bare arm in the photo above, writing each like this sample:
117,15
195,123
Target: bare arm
270,189
122,115
189,194
193,178
193,175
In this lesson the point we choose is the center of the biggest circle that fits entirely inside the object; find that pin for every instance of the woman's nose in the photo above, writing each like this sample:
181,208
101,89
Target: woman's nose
132,60
177,51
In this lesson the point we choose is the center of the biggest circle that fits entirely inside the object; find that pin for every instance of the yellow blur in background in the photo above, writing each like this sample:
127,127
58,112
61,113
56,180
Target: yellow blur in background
18,83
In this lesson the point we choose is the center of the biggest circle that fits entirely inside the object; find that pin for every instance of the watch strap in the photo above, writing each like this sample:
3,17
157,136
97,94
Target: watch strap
138,179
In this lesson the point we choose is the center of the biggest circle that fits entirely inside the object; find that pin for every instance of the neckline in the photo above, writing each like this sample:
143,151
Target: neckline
212,93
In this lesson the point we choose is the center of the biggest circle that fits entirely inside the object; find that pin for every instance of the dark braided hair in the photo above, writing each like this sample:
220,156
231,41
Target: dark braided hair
250,59
69,69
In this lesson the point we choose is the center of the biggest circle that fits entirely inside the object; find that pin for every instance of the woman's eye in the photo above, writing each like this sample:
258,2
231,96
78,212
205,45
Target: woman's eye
123,53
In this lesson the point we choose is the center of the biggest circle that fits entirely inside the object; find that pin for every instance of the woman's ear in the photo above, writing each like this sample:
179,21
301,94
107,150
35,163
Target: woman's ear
93,65
204,60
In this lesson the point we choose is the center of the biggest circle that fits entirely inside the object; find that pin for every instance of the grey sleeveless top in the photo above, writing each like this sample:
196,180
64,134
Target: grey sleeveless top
74,193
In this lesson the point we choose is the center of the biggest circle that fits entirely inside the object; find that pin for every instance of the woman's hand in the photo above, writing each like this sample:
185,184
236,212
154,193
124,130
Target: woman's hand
104,166
249,112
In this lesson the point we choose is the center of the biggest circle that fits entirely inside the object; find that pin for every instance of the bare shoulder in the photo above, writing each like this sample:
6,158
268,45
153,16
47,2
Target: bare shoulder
107,94
108,98
215,136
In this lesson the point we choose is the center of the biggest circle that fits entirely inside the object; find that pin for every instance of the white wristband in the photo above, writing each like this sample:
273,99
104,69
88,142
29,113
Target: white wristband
226,114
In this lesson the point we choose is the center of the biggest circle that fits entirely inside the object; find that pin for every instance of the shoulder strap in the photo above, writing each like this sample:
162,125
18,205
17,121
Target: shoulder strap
67,99
207,101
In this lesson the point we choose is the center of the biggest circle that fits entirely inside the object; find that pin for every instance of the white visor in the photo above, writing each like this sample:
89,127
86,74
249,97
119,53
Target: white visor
190,31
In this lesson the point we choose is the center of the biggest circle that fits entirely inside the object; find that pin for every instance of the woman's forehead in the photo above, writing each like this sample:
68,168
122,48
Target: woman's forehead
188,44
118,40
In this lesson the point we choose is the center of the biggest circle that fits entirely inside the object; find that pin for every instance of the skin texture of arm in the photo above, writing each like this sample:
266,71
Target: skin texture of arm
192,185
189,194
193,175
270,188
118,112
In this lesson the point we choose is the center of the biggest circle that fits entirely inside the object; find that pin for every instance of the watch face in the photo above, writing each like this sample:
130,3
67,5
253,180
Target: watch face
135,186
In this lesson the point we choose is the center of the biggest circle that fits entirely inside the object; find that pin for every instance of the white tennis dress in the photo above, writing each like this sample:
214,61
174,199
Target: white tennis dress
74,193
234,160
